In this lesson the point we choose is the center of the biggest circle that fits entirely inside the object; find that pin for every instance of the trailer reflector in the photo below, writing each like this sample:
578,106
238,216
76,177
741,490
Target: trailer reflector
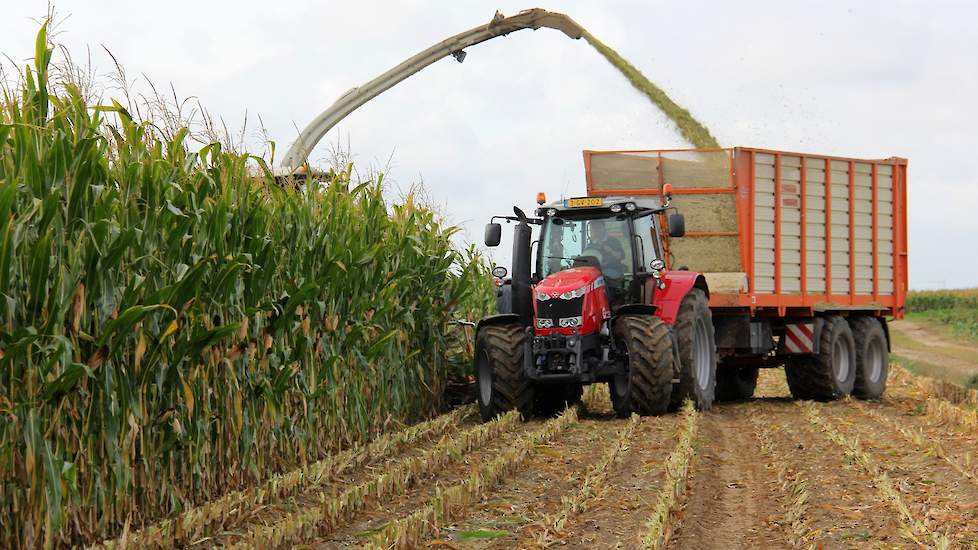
799,338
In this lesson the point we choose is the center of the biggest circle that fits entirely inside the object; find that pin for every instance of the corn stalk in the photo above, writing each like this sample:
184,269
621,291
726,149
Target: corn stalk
923,441
219,513
448,504
794,488
594,484
949,412
324,517
912,528
173,328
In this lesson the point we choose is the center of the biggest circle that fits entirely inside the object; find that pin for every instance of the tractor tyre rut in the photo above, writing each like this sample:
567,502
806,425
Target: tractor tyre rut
728,501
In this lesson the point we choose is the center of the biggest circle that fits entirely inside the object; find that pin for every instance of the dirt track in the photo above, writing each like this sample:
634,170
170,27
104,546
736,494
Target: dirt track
767,473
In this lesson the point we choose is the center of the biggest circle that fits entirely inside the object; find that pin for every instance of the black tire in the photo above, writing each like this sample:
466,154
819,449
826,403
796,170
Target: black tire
872,358
736,383
646,386
500,381
831,373
554,398
698,371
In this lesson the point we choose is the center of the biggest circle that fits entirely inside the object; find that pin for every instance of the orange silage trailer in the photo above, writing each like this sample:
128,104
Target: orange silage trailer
796,248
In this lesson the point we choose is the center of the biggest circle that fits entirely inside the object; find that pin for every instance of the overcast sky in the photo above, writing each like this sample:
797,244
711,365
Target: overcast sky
863,79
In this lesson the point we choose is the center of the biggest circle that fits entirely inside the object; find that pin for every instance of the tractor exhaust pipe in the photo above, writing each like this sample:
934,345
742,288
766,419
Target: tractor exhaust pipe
522,293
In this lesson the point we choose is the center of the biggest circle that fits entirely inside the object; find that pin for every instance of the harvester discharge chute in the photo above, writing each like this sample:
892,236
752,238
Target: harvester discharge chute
455,46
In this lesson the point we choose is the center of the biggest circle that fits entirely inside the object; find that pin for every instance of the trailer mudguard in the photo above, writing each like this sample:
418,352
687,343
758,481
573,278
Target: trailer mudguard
677,286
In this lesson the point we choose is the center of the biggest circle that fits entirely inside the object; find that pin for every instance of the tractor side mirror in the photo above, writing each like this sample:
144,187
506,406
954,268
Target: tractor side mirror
494,233
677,225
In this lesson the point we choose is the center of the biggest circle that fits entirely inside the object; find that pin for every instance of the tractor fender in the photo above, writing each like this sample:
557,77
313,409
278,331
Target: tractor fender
500,319
677,286
630,309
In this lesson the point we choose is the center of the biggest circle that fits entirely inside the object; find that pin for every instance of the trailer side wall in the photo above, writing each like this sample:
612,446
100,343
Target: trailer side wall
774,229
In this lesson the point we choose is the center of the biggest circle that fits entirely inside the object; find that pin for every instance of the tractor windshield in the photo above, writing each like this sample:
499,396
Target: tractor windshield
601,241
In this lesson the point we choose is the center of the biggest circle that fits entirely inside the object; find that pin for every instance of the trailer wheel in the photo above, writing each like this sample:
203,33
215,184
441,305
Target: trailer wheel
830,373
872,359
646,386
736,383
554,398
500,379
697,352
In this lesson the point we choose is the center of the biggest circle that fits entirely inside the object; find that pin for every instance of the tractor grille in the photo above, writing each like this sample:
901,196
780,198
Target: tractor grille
557,309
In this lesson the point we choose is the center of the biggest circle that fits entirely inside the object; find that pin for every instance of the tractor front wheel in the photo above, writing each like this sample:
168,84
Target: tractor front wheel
646,385
500,379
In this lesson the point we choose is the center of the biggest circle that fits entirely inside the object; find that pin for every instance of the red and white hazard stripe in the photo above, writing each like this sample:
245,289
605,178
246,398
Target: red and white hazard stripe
799,338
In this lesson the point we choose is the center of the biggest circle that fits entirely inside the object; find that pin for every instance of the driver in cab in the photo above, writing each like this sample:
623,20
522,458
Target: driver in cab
608,251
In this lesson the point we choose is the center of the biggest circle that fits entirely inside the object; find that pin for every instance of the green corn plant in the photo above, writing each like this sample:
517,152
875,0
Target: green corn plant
173,327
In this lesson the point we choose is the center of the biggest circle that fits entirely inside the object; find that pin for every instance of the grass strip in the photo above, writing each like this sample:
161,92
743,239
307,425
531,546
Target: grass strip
330,510
217,513
677,470
794,489
912,528
447,504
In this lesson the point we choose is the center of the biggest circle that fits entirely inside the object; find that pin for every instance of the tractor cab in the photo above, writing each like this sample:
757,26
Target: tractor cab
617,237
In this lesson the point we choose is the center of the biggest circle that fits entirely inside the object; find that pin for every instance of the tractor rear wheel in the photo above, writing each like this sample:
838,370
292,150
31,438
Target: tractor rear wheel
872,357
646,385
736,383
500,379
697,352
830,373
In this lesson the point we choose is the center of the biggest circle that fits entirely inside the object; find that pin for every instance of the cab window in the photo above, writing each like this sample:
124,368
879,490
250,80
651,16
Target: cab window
646,243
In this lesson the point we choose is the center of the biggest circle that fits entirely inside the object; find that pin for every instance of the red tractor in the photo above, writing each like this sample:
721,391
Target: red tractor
596,306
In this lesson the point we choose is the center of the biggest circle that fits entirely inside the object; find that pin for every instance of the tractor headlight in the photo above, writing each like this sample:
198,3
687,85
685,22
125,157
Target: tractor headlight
543,296
576,293
571,322
615,208
545,323
630,206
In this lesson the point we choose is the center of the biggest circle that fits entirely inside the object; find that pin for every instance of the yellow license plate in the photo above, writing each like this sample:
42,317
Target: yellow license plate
584,202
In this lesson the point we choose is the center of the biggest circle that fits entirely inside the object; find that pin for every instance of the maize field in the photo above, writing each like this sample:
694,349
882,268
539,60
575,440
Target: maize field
173,327
193,356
